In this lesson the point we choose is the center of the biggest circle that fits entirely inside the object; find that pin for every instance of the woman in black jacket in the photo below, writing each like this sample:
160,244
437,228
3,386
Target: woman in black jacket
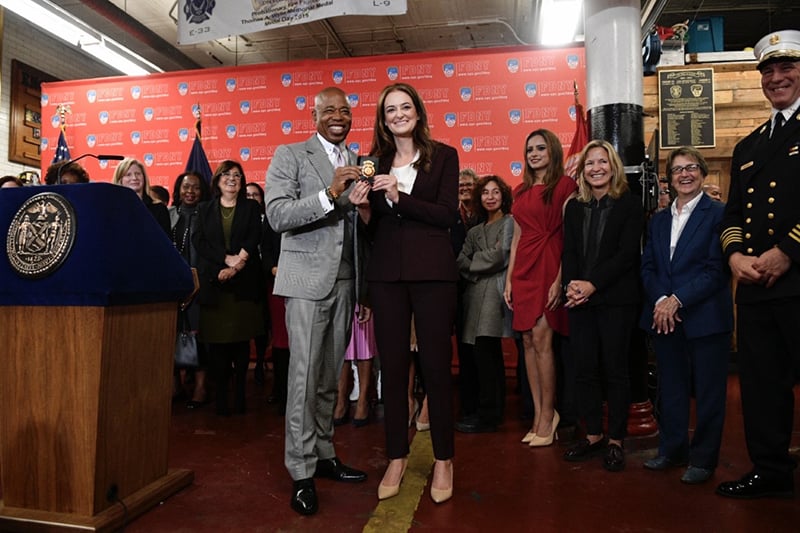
600,274
229,266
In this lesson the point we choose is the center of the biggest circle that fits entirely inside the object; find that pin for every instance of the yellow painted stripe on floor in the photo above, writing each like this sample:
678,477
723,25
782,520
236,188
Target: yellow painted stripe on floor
396,514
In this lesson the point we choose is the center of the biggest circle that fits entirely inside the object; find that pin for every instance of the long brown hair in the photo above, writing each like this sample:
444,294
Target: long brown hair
555,169
383,144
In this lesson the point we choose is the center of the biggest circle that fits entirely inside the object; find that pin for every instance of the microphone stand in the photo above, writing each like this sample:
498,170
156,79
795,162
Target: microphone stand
98,157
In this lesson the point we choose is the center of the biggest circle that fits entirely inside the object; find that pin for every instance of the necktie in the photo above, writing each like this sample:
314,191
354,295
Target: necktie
341,160
779,120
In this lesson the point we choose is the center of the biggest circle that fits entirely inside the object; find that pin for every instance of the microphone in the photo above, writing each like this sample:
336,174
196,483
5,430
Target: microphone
107,157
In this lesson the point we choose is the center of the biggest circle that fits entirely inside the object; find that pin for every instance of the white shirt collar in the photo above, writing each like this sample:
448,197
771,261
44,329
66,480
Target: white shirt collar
329,146
688,207
787,112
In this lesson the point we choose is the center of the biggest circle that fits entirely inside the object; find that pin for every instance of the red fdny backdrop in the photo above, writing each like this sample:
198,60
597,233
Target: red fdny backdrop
484,104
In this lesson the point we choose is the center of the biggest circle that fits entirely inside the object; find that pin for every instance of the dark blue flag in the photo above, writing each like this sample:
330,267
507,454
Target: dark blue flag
198,162
62,150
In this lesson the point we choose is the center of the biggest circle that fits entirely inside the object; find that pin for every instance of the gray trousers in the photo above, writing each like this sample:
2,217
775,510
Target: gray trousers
319,331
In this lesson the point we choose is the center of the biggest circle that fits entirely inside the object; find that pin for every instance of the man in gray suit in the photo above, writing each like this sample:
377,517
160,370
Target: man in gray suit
316,271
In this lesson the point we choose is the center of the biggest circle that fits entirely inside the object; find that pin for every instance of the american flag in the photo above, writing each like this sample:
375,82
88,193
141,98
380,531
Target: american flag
62,150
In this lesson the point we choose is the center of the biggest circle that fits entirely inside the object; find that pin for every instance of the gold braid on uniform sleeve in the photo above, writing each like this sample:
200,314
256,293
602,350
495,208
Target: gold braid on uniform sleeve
732,235
795,233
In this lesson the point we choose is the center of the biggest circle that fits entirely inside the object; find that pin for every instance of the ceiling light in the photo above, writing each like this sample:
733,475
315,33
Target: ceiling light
558,21
64,26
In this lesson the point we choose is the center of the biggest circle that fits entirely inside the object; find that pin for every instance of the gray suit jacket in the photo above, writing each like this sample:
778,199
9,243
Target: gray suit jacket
311,243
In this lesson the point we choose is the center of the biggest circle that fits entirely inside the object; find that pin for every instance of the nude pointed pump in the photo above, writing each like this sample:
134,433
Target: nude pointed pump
388,491
442,495
547,440
529,436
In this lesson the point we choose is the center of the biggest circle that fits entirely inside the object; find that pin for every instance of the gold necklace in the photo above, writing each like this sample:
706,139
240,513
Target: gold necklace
230,211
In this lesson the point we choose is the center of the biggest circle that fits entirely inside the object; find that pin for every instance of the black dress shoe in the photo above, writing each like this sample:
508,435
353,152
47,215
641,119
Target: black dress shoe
474,425
334,469
614,461
755,485
304,497
584,450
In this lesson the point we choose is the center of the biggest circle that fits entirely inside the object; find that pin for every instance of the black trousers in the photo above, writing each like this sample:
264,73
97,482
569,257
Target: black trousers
769,362
222,357
600,340
488,353
433,304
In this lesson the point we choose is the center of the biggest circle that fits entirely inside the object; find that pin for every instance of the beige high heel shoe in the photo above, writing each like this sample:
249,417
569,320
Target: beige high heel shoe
529,436
387,491
442,495
542,440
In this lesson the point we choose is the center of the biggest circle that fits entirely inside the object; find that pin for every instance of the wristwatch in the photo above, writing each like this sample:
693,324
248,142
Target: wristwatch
330,194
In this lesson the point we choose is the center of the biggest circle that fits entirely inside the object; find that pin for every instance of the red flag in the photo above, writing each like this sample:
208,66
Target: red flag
579,140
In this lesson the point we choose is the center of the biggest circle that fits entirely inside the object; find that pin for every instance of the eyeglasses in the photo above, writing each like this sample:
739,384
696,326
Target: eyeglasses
694,167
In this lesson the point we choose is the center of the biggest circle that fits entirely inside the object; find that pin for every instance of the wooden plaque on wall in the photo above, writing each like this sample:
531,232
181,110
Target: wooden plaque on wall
25,128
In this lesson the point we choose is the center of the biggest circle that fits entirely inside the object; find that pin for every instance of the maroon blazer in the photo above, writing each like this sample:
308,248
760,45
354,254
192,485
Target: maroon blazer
411,239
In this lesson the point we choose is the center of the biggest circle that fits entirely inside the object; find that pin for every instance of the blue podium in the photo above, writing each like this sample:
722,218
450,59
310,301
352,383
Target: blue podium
88,300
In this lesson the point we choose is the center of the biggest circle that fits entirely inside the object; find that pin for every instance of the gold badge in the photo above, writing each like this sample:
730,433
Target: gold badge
774,39
41,235
368,169
746,165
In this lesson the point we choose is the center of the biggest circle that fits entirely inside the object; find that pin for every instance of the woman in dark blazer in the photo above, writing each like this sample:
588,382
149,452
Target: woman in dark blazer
412,269
689,312
230,270
600,273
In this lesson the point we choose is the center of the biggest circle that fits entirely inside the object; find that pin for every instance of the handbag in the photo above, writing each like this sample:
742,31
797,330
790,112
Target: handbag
185,343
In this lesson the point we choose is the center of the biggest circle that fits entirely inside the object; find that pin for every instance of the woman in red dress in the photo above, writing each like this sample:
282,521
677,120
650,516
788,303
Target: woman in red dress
533,283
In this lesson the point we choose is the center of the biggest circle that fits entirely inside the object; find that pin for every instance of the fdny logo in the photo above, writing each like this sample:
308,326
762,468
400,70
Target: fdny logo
286,79
466,144
354,147
286,127
91,140
103,117
230,84
244,154
466,94
352,99
573,113
183,88
148,160
136,137
198,11
530,90
450,119
183,134
45,144
91,96
148,113
514,115
512,65
300,102
136,92
230,131
45,99
449,69
572,61
516,168
392,73
244,107
338,77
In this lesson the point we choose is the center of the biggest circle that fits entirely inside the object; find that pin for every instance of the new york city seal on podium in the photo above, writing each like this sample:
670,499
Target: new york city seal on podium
41,235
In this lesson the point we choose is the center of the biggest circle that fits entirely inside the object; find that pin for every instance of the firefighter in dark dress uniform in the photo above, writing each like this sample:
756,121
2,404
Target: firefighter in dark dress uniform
761,241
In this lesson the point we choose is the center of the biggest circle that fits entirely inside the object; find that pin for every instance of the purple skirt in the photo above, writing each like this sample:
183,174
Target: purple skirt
362,341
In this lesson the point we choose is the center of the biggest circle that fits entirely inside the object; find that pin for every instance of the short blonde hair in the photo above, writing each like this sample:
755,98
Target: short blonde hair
619,182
